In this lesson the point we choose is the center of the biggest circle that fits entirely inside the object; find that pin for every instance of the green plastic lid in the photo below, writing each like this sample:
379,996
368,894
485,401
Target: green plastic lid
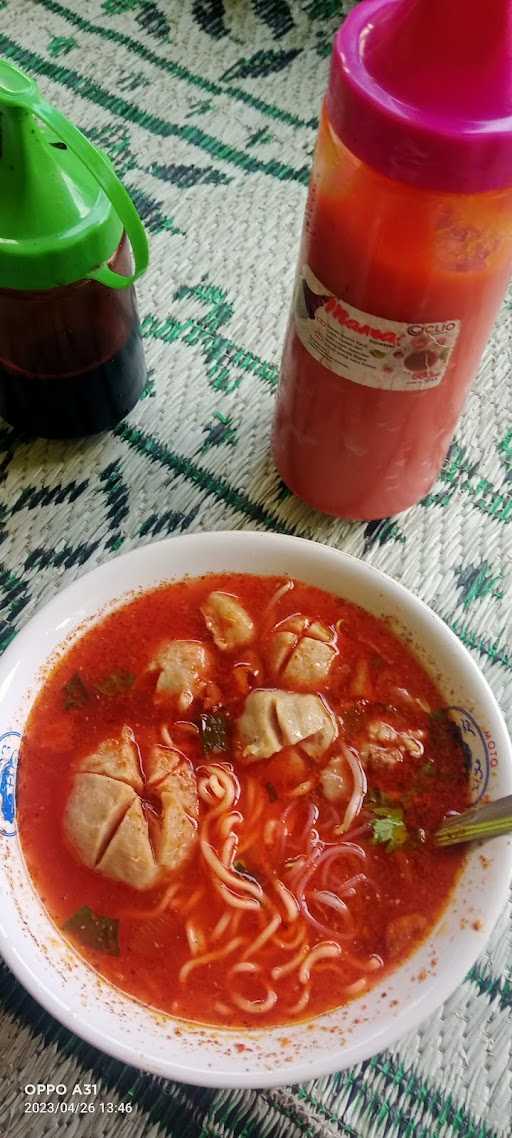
62,208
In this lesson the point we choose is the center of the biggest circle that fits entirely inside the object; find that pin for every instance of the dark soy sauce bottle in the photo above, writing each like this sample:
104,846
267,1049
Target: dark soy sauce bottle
71,246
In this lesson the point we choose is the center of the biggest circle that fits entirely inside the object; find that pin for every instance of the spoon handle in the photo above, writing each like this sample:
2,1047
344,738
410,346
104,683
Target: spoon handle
488,821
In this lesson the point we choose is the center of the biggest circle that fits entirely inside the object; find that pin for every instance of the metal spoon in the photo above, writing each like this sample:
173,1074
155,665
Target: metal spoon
488,821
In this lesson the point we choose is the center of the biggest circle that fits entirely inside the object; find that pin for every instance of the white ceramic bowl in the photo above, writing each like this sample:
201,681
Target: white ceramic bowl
80,999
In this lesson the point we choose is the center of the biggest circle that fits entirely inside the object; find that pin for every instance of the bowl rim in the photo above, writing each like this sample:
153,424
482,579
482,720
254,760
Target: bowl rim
445,984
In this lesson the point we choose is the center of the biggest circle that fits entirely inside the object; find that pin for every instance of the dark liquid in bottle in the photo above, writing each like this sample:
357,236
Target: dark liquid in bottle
71,358
82,403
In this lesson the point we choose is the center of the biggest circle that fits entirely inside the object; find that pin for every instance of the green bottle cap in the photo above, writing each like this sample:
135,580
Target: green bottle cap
62,208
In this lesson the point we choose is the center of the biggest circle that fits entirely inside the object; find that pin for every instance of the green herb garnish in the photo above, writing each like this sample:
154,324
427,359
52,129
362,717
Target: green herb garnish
214,732
75,693
117,682
101,933
271,791
389,827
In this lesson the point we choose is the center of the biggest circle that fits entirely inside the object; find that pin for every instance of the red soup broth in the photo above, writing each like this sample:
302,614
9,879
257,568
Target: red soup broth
334,911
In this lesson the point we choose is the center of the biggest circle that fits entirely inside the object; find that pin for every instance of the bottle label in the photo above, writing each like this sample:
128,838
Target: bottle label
370,350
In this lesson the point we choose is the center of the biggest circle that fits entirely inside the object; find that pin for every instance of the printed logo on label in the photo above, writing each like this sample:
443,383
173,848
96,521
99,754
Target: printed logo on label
370,350
9,750
475,749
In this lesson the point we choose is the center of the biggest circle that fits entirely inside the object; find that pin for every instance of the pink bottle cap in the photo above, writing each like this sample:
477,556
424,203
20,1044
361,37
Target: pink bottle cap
422,91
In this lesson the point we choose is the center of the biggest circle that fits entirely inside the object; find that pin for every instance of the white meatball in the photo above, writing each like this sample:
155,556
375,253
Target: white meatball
227,620
184,666
274,719
106,820
300,653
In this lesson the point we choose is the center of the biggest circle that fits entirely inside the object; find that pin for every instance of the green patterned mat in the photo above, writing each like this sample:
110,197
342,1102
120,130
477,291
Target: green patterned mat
208,109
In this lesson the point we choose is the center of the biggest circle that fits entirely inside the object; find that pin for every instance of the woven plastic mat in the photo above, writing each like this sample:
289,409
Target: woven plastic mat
208,109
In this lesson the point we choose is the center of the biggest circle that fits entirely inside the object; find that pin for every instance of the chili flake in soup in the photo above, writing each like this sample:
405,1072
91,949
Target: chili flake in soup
227,790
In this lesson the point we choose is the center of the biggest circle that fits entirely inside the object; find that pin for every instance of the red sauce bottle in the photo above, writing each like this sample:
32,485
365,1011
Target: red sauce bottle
71,356
405,255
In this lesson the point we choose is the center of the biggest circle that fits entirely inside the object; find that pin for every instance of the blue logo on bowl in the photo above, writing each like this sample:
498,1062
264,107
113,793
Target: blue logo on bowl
9,749
476,750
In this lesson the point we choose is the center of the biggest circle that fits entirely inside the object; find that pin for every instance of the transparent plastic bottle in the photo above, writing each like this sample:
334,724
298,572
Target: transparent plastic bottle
71,246
405,255
71,358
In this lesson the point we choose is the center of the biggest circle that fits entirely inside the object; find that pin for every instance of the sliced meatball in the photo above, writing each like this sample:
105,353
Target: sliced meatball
320,632
300,653
227,620
117,757
278,651
129,855
309,665
160,762
174,833
93,812
274,719
184,666
135,839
